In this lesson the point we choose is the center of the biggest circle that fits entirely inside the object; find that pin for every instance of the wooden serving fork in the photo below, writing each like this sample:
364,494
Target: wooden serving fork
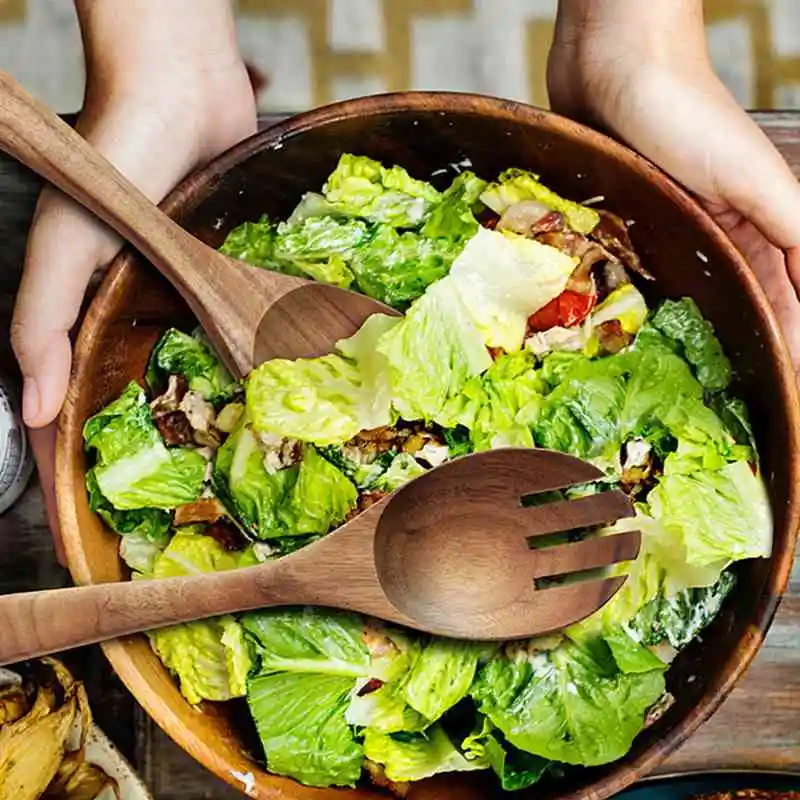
447,553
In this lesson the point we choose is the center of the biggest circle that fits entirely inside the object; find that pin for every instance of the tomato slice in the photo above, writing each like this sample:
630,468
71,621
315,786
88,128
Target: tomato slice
566,310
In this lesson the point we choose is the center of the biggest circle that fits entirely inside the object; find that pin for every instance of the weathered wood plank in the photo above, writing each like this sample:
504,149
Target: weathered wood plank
758,726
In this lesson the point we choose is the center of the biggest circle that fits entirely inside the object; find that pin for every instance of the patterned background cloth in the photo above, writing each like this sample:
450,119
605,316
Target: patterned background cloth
308,52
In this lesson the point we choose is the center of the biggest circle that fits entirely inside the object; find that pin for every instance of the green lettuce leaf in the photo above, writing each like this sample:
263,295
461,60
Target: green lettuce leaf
300,721
397,268
325,400
682,321
515,185
252,242
309,640
514,768
441,675
384,711
503,278
210,658
453,218
321,497
140,553
192,553
500,407
191,356
404,468
361,187
714,518
242,482
145,524
630,655
564,705
319,238
134,467
414,756
309,661
432,353
677,619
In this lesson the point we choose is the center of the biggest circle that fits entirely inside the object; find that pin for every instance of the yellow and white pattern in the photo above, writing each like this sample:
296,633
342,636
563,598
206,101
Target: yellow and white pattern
315,51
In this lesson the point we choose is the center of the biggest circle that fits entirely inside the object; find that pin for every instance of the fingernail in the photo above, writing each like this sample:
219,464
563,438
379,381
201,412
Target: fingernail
30,401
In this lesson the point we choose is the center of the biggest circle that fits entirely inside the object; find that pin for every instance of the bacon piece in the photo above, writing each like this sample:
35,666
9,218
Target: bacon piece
227,535
372,685
612,233
175,428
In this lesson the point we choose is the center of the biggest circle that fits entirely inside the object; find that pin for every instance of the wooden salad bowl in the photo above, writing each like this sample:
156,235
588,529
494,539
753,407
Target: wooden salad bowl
426,132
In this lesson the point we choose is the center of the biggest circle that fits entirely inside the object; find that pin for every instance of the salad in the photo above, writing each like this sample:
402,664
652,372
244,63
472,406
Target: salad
525,326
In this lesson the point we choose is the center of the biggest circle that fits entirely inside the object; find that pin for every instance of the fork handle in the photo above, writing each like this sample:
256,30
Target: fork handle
34,624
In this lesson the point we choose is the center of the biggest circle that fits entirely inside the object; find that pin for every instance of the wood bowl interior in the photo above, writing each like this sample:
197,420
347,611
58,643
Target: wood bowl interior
427,133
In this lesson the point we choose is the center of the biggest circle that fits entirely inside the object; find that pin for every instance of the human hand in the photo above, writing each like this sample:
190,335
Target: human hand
155,122
658,93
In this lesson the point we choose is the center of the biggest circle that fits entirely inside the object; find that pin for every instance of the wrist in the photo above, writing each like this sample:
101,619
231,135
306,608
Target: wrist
601,51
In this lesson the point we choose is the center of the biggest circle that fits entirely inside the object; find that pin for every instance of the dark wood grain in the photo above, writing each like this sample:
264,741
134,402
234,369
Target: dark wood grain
757,726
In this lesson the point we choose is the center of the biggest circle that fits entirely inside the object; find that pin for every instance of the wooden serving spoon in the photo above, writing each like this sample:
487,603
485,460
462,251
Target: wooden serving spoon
447,553
249,314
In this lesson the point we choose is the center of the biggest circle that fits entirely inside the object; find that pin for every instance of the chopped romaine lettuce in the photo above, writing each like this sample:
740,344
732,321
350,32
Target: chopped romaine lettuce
564,705
319,238
252,242
145,524
503,278
630,655
323,400
190,552
134,468
209,657
514,768
178,353
515,185
677,619
500,407
682,321
396,268
140,553
404,467
414,756
716,517
361,187
432,353
441,675
309,640
254,495
385,711
309,662
321,497
454,217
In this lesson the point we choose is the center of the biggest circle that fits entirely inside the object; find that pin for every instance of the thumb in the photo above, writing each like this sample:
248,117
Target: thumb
65,246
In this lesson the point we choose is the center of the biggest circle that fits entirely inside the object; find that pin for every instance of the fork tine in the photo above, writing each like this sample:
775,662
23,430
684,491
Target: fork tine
549,610
564,515
588,554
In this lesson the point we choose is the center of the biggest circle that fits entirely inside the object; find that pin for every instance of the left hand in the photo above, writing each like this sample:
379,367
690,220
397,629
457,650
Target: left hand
673,109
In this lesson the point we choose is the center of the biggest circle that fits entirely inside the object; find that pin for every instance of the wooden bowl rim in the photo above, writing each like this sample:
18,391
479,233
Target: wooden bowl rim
200,184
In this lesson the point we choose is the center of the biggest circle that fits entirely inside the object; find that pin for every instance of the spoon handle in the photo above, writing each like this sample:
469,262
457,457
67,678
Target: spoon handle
34,624
33,134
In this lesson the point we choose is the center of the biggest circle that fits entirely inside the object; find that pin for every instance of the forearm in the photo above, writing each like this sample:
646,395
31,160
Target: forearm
605,29
133,43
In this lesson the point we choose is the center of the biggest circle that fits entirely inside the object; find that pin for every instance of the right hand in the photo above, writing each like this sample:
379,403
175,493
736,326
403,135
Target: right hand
155,132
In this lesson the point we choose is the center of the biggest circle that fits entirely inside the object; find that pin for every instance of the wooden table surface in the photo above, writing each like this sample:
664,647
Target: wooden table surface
757,727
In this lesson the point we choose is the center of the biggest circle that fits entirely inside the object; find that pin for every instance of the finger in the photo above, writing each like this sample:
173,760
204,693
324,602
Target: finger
43,445
65,246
